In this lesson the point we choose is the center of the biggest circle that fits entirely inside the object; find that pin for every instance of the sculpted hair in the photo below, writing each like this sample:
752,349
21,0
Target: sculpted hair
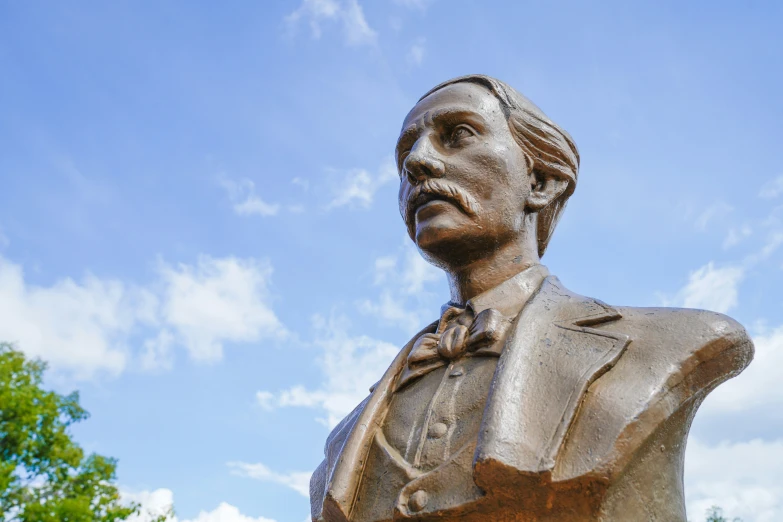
550,151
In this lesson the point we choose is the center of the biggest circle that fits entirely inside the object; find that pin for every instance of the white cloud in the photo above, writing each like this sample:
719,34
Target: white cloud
218,300
710,288
266,400
153,503
300,396
417,271
772,188
305,184
414,4
744,478
357,187
77,326
758,385
716,210
412,276
157,354
315,11
160,502
736,235
385,268
402,279
348,13
88,327
350,365
226,513
774,240
357,30
416,52
391,309
298,481
243,197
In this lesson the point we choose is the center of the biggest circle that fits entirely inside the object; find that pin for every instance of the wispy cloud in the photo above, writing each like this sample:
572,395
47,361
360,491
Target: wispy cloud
735,235
392,310
715,211
710,288
305,184
403,279
348,13
416,52
414,4
772,188
349,366
357,187
298,481
244,200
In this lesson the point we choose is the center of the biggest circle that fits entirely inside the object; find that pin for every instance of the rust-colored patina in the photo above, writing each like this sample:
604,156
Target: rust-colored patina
524,401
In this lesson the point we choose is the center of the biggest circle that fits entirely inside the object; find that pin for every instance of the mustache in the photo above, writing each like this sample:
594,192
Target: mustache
434,189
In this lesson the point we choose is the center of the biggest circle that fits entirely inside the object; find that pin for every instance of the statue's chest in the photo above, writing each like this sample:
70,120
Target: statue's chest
436,415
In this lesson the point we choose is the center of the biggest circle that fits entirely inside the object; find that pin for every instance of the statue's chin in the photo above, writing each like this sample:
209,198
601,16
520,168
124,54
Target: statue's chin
445,242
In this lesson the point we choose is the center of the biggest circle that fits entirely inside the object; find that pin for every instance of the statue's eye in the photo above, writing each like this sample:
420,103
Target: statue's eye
460,133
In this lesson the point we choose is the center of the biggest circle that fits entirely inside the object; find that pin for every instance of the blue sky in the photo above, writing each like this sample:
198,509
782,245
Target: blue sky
199,228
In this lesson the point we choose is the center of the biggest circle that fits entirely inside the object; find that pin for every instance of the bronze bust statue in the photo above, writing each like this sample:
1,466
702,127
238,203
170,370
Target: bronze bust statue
524,401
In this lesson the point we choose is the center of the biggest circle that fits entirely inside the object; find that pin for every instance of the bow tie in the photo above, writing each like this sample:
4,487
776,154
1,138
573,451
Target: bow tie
459,334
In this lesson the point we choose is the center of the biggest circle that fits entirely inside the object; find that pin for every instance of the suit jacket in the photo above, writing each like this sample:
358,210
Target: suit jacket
586,419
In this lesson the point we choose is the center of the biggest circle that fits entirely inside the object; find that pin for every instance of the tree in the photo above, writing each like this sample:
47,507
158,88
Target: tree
715,514
44,475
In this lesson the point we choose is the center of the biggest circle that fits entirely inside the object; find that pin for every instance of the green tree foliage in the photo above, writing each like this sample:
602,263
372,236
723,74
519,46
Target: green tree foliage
715,514
44,475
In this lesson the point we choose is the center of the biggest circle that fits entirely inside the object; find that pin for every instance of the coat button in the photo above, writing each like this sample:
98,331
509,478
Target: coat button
418,500
438,430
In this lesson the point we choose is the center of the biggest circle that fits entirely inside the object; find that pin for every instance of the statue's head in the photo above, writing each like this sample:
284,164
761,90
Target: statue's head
480,165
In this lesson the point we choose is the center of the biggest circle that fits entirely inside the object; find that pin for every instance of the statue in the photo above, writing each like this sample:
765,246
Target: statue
524,401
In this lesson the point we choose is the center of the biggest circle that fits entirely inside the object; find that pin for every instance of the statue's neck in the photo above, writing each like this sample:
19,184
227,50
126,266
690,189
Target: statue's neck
487,273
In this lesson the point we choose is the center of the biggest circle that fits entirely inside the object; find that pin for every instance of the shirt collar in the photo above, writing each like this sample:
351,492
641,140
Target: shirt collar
510,296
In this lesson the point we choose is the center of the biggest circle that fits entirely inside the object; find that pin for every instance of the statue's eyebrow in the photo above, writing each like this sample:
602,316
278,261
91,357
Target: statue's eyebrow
407,138
458,115
445,115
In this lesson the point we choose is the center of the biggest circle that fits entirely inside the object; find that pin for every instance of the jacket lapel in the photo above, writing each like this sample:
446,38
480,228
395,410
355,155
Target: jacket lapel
549,361
347,467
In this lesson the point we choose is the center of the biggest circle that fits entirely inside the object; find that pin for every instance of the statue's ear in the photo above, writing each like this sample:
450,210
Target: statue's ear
544,189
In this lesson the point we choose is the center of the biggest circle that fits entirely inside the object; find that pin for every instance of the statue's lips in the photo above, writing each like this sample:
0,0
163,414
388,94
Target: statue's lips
431,208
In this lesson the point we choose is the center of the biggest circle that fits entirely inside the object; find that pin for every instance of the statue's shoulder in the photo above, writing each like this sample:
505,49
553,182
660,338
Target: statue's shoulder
677,355
680,339
673,359
686,337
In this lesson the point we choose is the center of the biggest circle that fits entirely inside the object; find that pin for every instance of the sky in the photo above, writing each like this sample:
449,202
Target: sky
199,228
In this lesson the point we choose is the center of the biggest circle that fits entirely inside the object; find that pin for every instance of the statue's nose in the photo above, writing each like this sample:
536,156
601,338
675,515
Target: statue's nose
423,163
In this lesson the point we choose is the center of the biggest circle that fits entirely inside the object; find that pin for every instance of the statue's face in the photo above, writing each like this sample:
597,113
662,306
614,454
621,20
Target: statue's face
464,180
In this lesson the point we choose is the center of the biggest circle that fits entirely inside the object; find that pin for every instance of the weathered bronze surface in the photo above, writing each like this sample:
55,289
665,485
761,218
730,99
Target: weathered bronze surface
524,401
